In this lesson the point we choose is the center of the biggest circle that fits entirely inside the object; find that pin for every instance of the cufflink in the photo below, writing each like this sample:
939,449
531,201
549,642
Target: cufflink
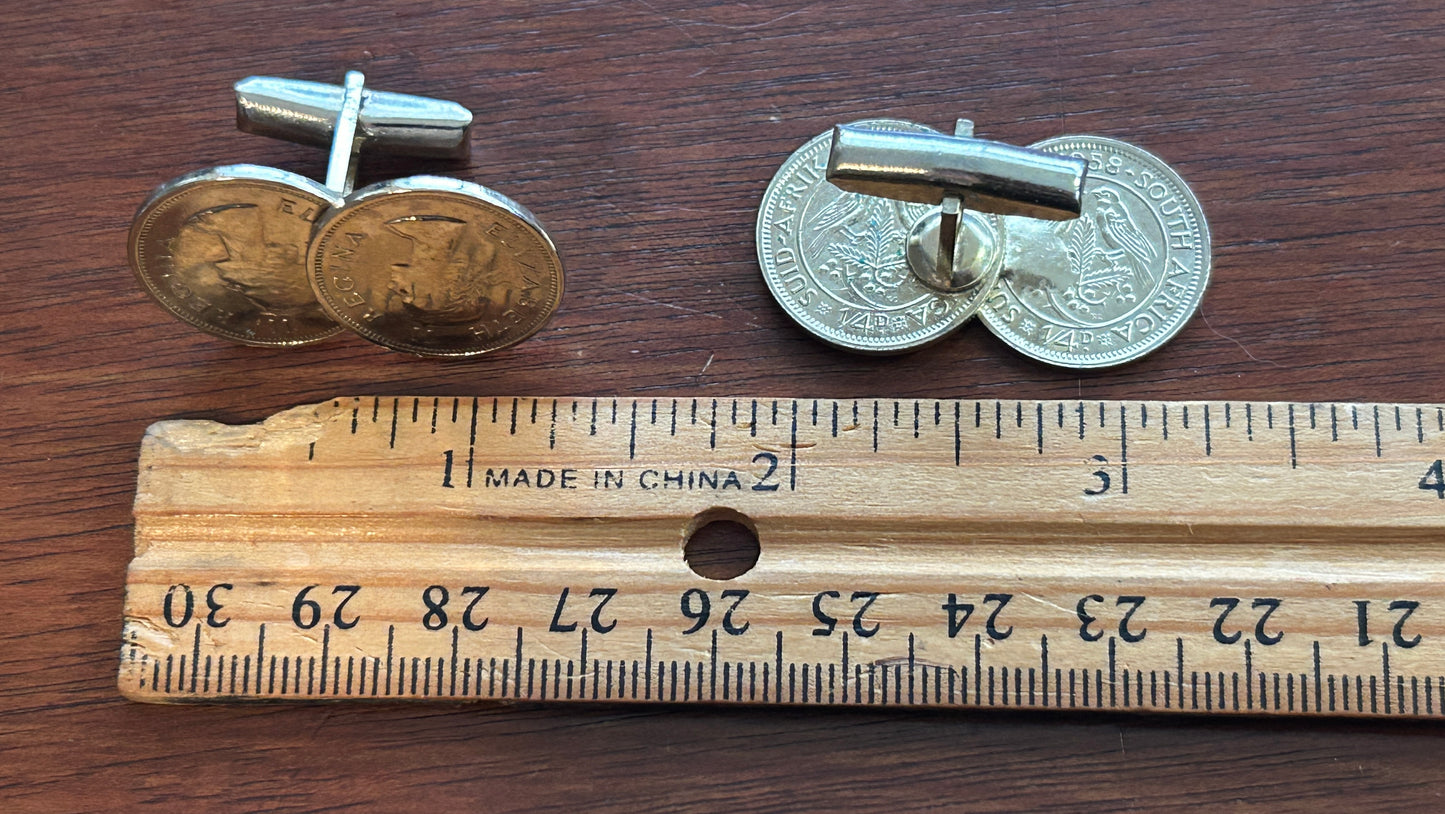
435,266
226,249
427,265
884,236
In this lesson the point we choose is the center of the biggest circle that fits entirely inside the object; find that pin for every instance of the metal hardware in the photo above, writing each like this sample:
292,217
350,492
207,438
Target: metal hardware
955,173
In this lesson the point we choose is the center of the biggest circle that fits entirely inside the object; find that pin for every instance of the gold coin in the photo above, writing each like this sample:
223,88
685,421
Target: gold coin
436,267
224,249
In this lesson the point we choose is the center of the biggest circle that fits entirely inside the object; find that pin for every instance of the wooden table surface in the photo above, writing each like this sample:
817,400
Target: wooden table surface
642,133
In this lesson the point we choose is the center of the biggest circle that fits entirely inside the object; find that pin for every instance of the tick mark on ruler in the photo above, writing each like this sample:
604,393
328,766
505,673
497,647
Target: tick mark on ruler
875,425
1377,430
1124,450
472,442
1039,420
1293,450
1208,440
792,462
957,433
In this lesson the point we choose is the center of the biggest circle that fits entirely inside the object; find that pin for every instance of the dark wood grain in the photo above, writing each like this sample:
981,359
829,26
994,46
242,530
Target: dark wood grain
642,134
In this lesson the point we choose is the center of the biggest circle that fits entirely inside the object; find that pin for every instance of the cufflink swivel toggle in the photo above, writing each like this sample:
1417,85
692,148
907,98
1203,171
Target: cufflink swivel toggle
947,250
433,266
394,123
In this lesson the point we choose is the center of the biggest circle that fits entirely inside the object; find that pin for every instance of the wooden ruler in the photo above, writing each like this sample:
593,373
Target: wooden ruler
1202,557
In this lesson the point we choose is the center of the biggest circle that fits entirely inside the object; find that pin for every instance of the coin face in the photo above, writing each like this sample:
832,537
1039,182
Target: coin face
224,249
837,261
436,267
1118,281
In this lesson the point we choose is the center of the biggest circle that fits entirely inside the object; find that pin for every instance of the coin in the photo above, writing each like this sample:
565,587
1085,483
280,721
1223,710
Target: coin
436,267
224,249
837,261
1118,281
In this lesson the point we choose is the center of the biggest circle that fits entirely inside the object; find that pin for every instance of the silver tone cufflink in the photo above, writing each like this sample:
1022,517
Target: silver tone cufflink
885,236
430,265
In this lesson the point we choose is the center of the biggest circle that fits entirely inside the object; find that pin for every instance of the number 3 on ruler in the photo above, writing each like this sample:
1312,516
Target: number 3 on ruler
1103,477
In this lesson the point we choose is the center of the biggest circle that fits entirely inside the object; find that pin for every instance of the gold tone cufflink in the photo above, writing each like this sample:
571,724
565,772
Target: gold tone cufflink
429,265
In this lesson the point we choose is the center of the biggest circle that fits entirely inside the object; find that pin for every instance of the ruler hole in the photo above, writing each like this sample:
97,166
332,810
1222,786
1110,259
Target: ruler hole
721,544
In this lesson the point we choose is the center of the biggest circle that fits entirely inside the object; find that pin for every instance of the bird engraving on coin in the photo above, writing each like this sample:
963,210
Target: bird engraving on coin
1115,283
836,261
436,267
225,250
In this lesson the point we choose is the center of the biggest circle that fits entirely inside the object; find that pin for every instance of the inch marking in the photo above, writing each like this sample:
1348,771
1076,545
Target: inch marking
1293,450
793,453
1124,450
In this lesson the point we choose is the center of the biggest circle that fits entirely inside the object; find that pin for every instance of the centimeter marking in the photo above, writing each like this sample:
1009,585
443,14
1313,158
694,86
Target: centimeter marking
779,680
1204,556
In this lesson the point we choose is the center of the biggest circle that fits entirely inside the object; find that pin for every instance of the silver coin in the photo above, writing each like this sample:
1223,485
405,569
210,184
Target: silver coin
837,261
1117,282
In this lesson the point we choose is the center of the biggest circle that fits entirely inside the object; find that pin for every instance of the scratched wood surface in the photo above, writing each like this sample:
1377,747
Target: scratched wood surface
642,134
